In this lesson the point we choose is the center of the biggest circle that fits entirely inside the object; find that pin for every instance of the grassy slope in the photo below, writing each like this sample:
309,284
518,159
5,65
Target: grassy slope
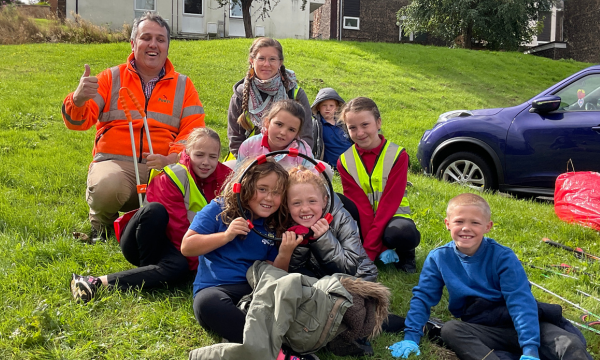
43,171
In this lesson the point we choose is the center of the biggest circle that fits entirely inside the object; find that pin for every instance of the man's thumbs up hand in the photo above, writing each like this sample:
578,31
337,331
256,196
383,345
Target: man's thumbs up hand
87,89
86,72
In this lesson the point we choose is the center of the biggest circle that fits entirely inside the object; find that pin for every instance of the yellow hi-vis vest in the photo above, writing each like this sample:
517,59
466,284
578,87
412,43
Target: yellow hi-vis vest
293,92
373,184
192,197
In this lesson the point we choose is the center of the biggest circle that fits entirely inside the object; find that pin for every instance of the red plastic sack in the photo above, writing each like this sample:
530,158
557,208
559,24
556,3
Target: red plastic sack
577,198
122,222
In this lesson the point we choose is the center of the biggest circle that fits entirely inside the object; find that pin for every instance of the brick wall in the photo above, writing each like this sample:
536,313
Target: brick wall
61,8
377,21
554,53
321,28
582,30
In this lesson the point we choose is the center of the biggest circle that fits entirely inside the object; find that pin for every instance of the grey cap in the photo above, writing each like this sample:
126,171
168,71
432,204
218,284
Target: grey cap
326,94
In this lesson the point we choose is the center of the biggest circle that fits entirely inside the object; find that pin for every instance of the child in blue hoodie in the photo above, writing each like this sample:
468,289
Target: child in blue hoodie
330,138
477,270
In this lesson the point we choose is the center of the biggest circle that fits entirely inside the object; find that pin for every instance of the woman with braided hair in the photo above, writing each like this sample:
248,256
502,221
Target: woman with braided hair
266,82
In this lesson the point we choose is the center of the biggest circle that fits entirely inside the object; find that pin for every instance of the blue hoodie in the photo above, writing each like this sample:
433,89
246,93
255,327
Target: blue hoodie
493,273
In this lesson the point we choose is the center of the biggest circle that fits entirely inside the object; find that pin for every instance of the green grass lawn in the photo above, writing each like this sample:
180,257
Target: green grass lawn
43,171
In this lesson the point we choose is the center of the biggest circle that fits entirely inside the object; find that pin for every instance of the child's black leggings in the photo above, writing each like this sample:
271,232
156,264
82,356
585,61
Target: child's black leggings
145,244
400,233
216,309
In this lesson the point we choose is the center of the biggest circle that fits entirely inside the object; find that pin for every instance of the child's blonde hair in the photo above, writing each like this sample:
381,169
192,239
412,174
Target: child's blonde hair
357,105
277,221
467,199
291,106
302,175
200,133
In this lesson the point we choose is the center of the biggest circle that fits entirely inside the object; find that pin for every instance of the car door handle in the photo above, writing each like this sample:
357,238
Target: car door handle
596,128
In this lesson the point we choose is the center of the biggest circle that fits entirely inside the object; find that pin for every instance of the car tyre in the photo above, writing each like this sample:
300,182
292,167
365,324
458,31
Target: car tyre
467,169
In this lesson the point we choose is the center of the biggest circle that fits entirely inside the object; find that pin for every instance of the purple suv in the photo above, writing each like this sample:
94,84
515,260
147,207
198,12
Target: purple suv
520,149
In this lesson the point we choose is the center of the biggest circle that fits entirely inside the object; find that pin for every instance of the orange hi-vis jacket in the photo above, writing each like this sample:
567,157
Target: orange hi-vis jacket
173,111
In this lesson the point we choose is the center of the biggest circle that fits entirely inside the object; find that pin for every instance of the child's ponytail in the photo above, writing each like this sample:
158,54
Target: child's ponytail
242,119
284,79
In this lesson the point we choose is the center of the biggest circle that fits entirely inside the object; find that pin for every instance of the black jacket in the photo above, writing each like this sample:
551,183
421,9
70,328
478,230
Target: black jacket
339,250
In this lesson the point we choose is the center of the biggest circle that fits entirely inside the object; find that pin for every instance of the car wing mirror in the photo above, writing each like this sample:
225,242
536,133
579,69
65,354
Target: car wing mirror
545,104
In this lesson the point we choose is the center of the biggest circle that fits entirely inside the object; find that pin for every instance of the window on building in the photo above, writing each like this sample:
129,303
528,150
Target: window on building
149,5
351,8
192,7
559,26
402,36
352,23
235,10
546,18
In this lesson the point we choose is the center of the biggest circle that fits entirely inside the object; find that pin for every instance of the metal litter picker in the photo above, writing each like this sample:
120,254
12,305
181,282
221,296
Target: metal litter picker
139,187
140,108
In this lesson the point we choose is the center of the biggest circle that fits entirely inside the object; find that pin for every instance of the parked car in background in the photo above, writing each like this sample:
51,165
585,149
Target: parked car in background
519,149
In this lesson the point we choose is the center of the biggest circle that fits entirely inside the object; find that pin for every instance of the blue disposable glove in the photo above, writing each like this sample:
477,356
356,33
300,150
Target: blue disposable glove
527,357
389,256
405,348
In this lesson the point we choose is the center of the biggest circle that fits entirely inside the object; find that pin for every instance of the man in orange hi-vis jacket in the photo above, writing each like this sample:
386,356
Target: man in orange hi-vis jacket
173,111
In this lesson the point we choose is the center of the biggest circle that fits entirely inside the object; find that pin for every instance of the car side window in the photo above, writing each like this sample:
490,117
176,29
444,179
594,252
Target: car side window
581,95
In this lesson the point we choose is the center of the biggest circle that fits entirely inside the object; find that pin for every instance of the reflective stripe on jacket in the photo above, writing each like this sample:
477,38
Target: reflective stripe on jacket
193,198
173,111
374,183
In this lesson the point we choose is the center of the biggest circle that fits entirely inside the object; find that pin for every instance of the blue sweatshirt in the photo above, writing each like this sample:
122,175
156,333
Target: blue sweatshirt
229,263
493,273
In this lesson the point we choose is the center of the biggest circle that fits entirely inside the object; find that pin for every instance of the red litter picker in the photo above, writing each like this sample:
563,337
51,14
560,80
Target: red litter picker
579,252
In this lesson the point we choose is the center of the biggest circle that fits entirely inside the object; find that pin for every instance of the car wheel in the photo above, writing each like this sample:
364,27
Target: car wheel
467,169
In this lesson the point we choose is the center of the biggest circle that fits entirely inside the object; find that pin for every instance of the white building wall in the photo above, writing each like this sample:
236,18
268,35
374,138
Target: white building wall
113,13
287,20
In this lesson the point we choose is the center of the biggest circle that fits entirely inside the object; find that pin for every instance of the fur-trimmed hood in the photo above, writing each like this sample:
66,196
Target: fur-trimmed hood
376,292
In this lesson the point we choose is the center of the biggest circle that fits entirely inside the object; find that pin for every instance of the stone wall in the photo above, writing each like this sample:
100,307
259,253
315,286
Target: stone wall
582,30
35,11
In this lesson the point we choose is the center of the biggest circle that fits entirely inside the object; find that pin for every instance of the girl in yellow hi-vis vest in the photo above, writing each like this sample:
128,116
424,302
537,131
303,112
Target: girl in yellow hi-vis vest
152,238
374,176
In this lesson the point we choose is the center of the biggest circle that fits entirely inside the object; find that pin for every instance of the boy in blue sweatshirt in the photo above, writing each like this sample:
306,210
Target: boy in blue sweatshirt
473,268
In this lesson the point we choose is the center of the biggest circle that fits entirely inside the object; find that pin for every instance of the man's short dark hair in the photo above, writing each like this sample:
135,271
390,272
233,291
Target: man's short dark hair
150,16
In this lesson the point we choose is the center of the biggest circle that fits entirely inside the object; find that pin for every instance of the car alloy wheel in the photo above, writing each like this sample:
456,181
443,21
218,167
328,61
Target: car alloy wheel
467,169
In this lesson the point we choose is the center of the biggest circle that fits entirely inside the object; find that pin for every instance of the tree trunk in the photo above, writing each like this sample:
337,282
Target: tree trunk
467,36
246,4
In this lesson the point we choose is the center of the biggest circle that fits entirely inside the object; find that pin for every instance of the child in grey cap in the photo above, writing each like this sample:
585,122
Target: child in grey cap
330,138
